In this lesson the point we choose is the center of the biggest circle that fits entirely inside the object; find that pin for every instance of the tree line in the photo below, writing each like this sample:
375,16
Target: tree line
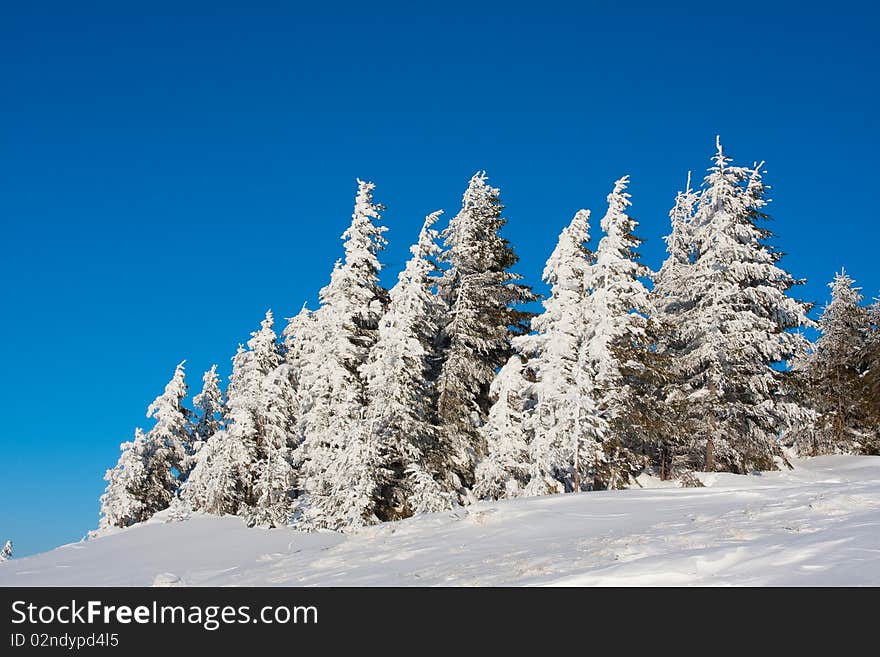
382,404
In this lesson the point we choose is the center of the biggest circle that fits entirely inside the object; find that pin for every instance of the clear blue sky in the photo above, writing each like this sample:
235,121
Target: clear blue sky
168,173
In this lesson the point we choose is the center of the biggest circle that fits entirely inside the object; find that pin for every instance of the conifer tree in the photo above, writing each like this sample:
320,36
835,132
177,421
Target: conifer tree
140,484
172,428
400,397
660,411
734,325
617,312
332,389
481,318
549,428
275,473
210,409
833,376
871,381
504,471
246,468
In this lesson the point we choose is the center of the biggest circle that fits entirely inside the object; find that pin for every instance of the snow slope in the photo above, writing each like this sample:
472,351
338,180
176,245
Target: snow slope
816,525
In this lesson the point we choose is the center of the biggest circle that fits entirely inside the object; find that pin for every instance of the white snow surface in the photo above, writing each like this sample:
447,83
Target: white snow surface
818,524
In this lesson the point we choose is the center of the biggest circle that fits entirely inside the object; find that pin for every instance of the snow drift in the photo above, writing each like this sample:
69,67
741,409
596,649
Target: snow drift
818,524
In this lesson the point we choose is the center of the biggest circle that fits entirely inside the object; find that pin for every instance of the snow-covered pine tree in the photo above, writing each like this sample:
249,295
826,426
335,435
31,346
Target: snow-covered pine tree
833,376
871,380
276,474
222,478
143,481
481,318
399,393
172,428
550,402
210,409
6,552
122,503
616,317
140,484
667,295
504,471
246,468
331,387
660,412
734,326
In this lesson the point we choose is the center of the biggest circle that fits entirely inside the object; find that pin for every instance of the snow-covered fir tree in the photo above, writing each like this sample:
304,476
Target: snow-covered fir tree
209,406
616,316
6,552
505,470
172,428
222,478
871,380
332,390
151,467
734,325
275,473
660,411
832,377
246,469
140,484
399,393
668,296
481,318
548,428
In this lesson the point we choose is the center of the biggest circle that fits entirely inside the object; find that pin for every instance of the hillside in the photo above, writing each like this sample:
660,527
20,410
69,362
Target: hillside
815,525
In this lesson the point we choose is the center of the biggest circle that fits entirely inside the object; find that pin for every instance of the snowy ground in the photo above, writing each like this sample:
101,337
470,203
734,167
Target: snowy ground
816,525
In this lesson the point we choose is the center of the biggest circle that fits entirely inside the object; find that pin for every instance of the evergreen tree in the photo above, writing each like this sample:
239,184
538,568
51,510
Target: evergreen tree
504,471
332,389
832,377
220,481
481,318
734,324
172,428
140,484
275,473
668,296
616,318
551,426
210,410
871,381
660,412
246,469
400,397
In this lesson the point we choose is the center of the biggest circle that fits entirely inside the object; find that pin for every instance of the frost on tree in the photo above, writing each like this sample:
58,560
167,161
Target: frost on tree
209,406
669,298
246,468
832,378
140,484
275,472
616,312
147,475
504,471
551,423
660,408
399,415
480,295
6,552
172,428
733,328
332,389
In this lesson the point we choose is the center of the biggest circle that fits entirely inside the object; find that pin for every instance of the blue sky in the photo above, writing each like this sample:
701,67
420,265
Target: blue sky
167,174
